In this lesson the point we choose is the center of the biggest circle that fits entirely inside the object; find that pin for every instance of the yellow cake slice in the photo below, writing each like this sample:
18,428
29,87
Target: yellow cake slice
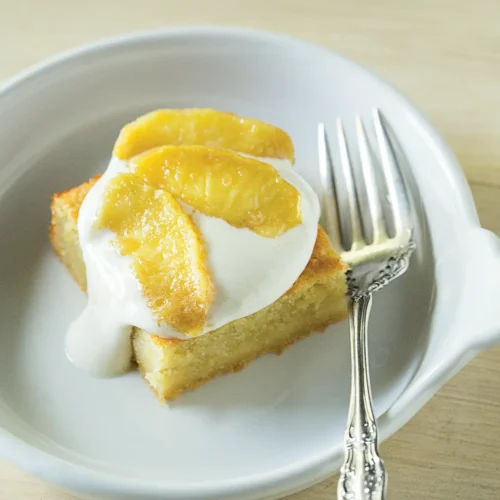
173,366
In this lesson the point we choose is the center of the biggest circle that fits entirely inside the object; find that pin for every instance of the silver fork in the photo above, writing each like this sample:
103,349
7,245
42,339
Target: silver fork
376,244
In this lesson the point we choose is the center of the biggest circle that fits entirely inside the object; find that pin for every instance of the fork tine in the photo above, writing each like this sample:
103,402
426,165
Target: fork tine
396,189
351,193
330,198
374,206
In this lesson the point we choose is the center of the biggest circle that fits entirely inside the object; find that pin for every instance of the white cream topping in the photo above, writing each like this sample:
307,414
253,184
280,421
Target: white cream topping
250,272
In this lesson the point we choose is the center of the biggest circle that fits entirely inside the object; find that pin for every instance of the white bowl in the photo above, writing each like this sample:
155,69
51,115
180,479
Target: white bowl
276,427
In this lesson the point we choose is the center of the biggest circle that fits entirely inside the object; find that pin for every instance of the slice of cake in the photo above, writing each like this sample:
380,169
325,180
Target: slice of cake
162,220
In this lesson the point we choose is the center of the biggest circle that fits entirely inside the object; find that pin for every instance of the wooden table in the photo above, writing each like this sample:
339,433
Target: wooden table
445,56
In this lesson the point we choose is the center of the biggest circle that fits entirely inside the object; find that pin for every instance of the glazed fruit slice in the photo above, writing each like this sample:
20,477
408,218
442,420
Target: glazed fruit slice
220,183
205,127
167,251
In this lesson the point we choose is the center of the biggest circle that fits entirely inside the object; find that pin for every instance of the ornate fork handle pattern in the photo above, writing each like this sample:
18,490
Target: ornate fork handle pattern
363,475
395,266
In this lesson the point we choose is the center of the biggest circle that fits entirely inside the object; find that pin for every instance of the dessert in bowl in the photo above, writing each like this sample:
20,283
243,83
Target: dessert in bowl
199,249
278,425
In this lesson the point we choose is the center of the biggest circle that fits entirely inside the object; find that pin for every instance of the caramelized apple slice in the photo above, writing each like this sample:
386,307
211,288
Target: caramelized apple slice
243,191
205,127
167,250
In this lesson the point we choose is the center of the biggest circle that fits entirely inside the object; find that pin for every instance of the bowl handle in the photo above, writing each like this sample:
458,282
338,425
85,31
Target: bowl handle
479,309
476,325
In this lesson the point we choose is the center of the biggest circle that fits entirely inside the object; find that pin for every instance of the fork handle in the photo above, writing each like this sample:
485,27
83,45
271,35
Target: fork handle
363,475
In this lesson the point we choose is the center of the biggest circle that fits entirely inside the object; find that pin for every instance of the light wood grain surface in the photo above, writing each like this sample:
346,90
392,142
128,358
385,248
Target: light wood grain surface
445,56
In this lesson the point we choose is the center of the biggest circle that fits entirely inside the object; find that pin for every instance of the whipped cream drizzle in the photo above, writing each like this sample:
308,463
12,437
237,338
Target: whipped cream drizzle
250,272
